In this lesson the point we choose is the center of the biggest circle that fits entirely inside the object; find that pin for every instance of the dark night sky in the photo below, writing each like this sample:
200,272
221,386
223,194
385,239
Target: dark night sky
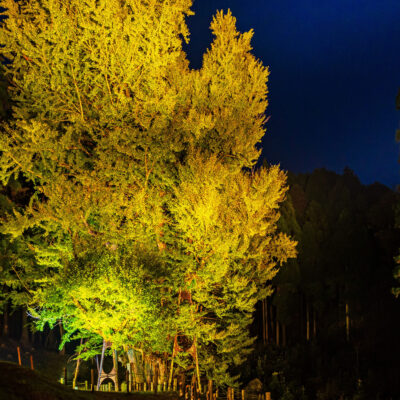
335,72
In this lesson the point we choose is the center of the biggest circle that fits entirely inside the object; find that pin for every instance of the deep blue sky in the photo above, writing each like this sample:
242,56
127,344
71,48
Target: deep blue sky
335,73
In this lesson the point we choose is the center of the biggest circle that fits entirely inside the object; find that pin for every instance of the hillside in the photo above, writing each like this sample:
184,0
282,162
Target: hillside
20,383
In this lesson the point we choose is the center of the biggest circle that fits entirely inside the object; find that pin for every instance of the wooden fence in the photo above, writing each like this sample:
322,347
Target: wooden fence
188,392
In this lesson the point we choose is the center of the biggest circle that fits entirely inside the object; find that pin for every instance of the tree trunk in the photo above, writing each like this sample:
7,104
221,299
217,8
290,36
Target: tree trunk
314,323
263,321
62,351
266,321
347,322
129,378
135,365
115,365
77,367
277,333
24,332
210,389
162,370
301,315
272,319
171,371
307,320
147,369
50,342
283,335
6,328
92,376
155,376
193,388
197,367
100,367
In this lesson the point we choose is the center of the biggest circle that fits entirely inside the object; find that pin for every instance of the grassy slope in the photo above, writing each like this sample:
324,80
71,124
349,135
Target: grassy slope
20,383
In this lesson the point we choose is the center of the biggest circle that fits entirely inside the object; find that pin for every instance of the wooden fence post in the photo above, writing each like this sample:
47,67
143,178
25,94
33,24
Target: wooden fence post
19,355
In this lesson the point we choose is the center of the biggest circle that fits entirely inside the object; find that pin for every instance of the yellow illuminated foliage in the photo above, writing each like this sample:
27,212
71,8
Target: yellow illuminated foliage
147,209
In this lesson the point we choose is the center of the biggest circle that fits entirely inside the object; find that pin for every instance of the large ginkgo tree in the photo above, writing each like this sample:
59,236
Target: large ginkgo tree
149,224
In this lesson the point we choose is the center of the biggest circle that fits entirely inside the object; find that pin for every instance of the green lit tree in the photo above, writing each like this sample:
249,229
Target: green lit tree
152,230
